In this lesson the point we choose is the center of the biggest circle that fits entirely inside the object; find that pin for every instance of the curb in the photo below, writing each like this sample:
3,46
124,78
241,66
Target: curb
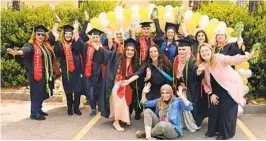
26,97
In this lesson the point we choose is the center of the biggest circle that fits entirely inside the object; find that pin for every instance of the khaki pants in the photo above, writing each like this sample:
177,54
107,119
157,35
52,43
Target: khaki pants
159,127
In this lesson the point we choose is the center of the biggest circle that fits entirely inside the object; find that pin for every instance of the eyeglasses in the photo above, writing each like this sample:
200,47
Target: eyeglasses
40,34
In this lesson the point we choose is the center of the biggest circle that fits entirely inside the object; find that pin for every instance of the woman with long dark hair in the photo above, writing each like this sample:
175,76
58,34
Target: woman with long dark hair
115,98
201,37
157,70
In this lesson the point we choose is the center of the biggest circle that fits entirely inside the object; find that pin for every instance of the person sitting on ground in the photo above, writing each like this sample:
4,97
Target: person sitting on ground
166,121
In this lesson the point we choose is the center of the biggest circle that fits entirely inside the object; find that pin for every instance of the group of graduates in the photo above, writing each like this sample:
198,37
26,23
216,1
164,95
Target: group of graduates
175,79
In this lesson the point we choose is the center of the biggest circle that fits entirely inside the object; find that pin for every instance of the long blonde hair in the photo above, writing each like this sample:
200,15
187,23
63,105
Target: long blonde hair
201,60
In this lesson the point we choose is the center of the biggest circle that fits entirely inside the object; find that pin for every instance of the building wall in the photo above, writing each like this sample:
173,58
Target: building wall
35,3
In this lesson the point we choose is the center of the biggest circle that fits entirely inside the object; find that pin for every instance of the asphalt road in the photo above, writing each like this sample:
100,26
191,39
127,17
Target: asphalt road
16,125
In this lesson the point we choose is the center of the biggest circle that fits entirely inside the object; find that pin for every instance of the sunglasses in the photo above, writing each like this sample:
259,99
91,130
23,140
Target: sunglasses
40,34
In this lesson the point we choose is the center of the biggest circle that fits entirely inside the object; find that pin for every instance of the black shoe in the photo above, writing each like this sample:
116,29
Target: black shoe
38,117
221,138
207,135
137,117
43,113
93,113
77,111
70,112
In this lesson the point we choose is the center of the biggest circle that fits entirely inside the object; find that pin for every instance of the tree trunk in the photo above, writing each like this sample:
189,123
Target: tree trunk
16,5
253,6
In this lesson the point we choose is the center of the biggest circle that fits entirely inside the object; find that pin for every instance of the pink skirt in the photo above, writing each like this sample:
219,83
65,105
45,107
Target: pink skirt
119,108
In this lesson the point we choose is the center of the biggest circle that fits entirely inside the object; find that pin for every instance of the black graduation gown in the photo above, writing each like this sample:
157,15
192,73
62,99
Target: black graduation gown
230,49
37,88
111,59
96,78
82,34
156,80
193,84
73,84
223,116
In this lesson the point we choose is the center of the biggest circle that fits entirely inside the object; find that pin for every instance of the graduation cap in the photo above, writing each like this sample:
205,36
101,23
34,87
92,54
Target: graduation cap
68,28
185,42
146,24
40,28
131,42
171,26
95,32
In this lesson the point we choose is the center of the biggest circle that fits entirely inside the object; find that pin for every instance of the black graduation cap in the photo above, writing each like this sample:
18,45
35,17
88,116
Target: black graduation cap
68,28
146,24
40,28
95,31
171,26
185,42
131,42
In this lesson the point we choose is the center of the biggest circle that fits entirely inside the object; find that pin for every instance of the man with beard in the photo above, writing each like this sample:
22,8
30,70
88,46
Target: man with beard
69,51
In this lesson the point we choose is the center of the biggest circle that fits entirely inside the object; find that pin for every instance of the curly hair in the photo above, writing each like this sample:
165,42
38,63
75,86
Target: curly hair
163,62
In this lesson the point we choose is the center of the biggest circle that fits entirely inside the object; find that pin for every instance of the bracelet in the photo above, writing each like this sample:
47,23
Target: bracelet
211,94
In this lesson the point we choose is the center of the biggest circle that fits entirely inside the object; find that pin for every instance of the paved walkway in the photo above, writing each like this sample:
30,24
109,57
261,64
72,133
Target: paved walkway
15,124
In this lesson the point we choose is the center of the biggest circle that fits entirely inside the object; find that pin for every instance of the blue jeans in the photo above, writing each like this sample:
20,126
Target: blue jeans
92,98
36,107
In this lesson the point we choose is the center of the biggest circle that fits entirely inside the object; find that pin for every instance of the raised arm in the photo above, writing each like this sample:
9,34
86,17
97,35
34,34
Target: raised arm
82,32
233,60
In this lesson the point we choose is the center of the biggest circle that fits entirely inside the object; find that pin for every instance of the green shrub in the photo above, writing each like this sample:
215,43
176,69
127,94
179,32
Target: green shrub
254,31
164,2
12,73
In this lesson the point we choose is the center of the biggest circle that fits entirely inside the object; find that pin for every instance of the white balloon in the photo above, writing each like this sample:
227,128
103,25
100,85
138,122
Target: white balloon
102,15
248,73
118,9
135,17
204,21
168,17
150,8
188,15
240,111
222,25
241,72
246,89
104,23
168,8
135,8
120,19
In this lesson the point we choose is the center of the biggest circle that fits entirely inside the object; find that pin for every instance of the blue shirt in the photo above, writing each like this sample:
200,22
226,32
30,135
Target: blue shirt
174,112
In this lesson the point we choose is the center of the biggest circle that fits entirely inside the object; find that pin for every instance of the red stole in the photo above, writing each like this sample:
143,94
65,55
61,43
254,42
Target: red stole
127,90
89,57
175,67
37,60
144,47
69,56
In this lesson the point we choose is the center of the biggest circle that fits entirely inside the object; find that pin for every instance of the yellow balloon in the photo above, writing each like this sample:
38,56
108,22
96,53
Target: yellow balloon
245,80
143,12
161,12
229,31
214,21
191,26
111,17
210,30
95,23
244,65
127,13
